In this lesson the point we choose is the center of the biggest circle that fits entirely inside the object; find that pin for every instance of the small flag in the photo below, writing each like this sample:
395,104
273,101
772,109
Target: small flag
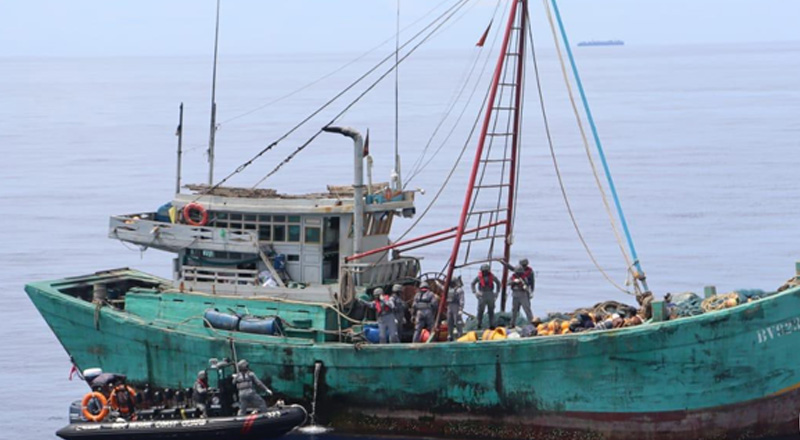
485,34
72,371
366,145
178,130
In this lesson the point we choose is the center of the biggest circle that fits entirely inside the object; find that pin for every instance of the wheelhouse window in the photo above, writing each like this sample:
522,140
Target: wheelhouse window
271,228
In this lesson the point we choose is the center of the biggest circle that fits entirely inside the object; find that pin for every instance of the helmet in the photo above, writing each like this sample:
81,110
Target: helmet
485,268
523,262
519,270
424,285
377,292
243,364
397,288
201,374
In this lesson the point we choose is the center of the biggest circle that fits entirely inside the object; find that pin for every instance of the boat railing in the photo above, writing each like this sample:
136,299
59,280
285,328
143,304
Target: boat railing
382,273
143,229
192,276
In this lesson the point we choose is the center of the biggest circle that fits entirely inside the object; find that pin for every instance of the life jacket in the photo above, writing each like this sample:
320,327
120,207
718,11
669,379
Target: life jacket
382,306
485,279
424,299
528,274
243,381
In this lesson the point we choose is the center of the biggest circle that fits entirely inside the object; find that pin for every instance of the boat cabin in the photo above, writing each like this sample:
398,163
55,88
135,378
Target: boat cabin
257,241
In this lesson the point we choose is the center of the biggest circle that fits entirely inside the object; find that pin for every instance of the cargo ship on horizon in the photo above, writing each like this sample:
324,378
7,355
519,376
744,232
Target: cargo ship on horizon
601,43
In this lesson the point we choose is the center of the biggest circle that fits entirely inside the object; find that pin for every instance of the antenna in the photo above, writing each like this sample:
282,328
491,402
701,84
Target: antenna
179,132
213,131
396,173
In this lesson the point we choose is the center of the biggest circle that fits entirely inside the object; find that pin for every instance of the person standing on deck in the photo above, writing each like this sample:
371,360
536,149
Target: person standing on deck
384,306
399,308
455,306
488,287
200,391
246,382
528,272
521,294
425,304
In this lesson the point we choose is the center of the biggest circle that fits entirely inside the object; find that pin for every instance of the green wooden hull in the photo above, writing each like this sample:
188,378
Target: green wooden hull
734,373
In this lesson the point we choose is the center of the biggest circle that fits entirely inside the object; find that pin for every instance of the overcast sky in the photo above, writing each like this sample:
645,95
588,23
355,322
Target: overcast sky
185,27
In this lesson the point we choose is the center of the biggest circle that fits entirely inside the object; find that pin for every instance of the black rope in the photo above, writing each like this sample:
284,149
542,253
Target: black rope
454,9
242,167
328,75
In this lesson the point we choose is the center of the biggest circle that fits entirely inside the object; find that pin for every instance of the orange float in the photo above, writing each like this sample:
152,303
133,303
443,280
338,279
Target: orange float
87,413
195,208
114,402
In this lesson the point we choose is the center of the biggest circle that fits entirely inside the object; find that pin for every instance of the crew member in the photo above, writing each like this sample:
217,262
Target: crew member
425,304
384,306
521,295
200,391
455,306
488,287
399,308
528,274
246,381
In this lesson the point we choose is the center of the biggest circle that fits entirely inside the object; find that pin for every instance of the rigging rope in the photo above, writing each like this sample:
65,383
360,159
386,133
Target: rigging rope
558,171
459,4
450,13
600,152
585,140
420,164
452,130
329,74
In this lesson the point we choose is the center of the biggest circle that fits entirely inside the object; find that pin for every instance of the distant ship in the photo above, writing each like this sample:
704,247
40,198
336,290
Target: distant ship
602,43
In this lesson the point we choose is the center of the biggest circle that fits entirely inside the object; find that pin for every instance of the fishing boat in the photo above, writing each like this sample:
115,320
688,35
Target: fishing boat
292,267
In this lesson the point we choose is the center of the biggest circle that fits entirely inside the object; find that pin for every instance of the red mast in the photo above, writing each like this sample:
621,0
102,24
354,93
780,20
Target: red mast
511,57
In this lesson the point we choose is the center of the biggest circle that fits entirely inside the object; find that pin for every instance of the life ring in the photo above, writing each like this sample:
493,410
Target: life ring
191,208
87,413
114,402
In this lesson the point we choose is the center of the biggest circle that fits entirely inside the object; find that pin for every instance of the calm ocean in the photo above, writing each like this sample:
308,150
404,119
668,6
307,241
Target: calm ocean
703,141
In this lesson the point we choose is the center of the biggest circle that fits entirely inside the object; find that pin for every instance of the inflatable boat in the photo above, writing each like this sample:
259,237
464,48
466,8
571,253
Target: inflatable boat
276,422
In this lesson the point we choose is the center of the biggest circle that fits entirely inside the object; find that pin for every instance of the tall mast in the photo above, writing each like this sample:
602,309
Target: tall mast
179,132
396,174
511,56
515,140
213,130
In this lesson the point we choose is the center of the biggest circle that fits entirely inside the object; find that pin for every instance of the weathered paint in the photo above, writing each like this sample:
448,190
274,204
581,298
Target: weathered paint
727,374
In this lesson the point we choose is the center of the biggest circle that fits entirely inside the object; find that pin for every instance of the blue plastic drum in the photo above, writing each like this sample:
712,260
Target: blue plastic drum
261,326
222,321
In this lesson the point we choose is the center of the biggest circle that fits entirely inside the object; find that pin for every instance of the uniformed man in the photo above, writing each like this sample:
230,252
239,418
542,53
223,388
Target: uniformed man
384,306
521,295
425,305
399,308
200,391
455,305
487,288
528,274
246,381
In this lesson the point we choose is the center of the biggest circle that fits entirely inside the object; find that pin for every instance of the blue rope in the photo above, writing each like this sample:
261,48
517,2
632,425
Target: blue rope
598,143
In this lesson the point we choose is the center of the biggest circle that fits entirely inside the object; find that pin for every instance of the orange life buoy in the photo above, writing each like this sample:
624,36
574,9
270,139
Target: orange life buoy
87,413
114,402
191,208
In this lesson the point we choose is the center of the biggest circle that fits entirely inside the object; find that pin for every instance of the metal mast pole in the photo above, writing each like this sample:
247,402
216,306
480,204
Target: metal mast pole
213,130
479,152
515,140
639,275
399,180
180,151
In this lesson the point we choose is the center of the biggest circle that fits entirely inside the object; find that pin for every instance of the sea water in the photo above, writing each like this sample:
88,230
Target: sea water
702,141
